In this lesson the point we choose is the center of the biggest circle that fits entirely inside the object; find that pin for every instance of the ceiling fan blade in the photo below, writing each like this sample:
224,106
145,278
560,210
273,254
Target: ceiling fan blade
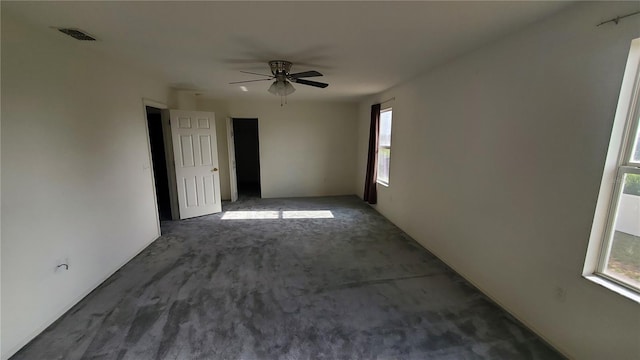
312,73
246,81
252,73
309,82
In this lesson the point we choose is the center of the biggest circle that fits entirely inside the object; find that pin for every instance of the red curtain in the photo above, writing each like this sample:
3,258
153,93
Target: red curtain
370,189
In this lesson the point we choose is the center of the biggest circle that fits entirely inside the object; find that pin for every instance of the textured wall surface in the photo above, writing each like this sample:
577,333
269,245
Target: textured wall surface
307,148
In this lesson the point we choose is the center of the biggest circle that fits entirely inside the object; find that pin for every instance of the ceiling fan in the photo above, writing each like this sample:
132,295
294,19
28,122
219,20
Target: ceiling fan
281,74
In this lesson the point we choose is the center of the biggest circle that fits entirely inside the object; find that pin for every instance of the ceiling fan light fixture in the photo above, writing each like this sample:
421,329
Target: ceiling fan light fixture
288,88
281,88
273,88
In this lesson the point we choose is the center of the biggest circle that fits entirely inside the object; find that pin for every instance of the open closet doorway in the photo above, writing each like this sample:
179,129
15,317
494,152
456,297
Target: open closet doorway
247,157
159,162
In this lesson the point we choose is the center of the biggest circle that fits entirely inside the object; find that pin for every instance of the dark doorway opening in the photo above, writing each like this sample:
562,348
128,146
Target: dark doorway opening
159,162
247,149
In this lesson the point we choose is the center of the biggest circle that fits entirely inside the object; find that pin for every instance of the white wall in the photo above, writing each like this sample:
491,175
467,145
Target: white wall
306,147
496,163
76,180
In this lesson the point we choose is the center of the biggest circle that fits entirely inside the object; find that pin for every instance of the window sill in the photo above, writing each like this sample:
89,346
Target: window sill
385,184
619,289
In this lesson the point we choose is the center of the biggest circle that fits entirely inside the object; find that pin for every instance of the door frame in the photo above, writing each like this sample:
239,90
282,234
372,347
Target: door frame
158,105
231,149
233,179
171,163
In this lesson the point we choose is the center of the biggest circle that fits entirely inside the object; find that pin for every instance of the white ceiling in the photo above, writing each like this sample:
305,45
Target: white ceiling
361,47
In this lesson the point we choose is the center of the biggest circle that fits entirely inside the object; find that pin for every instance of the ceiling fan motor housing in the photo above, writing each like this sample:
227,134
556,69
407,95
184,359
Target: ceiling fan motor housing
280,69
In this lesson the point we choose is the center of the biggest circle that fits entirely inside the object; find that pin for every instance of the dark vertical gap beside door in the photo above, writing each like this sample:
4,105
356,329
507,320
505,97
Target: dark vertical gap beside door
246,144
158,159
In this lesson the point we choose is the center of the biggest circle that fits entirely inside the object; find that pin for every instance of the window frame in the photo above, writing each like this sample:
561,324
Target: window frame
619,162
378,180
605,248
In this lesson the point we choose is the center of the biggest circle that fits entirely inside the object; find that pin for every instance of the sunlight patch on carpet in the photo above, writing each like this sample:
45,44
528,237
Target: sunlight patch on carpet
272,215
307,214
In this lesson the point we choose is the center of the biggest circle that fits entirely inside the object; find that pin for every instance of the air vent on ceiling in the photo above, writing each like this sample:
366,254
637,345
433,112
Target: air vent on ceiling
77,34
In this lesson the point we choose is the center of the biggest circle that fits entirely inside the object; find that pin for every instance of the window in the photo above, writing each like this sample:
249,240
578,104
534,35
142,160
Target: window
620,255
615,261
384,146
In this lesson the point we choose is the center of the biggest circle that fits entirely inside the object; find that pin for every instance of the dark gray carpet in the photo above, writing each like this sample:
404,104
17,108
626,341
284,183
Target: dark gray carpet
349,287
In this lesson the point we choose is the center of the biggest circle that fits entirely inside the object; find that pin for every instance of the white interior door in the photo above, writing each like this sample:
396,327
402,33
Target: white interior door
196,162
233,182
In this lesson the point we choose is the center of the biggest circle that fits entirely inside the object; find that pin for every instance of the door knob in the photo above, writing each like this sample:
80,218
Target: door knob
214,169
